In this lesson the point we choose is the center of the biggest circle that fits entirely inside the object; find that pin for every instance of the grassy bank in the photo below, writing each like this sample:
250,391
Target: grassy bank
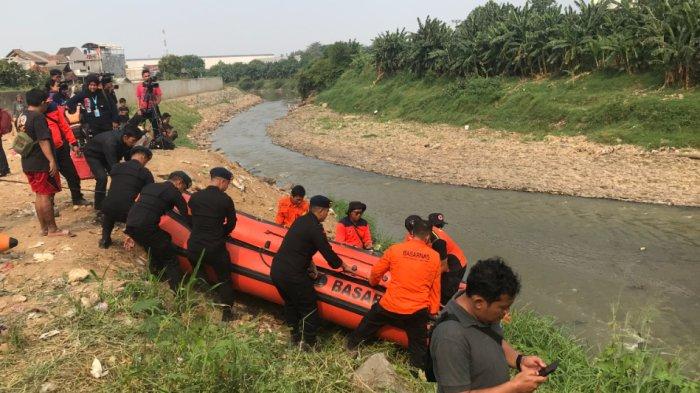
607,108
149,340
184,118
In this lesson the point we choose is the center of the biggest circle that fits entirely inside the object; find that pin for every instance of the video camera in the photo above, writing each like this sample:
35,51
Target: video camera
151,83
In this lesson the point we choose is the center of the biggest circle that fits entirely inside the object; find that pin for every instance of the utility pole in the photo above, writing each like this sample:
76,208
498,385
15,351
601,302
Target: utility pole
165,43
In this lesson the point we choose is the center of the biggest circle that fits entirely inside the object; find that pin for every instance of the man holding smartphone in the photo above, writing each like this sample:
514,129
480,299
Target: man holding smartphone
467,348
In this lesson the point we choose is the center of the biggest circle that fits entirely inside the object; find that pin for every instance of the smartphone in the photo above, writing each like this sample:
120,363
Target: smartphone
549,369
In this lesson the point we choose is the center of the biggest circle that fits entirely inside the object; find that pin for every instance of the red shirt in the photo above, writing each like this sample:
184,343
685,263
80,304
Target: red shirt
353,234
141,93
415,278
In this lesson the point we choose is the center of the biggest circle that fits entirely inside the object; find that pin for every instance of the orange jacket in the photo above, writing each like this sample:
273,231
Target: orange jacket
60,128
356,235
288,212
415,278
452,247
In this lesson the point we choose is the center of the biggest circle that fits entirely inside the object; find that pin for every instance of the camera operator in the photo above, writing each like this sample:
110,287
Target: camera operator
97,114
149,95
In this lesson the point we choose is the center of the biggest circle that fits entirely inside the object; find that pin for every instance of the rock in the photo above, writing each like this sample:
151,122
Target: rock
96,369
18,299
48,387
4,348
49,334
90,300
324,105
78,274
376,374
43,257
101,306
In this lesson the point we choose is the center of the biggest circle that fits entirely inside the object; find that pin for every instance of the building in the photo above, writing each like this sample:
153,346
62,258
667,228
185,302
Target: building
105,58
33,59
134,66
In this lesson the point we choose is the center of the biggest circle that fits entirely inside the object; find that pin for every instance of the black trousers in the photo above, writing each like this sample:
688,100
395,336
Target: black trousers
300,306
108,221
4,166
152,115
415,325
100,169
450,280
67,169
161,252
219,260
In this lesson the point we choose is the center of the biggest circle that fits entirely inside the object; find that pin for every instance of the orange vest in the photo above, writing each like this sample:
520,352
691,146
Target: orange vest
415,278
357,235
288,212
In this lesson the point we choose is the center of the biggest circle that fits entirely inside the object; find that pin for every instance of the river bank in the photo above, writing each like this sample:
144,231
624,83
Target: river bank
486,158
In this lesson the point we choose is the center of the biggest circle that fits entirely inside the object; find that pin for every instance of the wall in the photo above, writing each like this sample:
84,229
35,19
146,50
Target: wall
170,88
174,88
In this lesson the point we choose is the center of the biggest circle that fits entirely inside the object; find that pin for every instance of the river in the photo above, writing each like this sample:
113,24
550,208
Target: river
579,259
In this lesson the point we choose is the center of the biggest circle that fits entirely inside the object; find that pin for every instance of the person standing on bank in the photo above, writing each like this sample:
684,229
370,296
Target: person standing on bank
106,150
39,163
142,224
293,272
97,114
467,347
353,230
412,295
128,178
149,95
213,219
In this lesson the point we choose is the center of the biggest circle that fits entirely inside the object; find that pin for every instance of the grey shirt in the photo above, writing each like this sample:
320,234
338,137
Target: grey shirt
465,358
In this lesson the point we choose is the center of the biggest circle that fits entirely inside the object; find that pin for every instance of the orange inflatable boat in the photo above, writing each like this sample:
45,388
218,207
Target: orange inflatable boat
344,298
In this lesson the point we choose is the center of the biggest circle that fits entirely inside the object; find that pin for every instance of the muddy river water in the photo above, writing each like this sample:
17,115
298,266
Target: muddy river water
579,259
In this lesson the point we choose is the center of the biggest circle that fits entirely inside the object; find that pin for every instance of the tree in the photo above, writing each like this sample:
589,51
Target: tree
193,66
170,66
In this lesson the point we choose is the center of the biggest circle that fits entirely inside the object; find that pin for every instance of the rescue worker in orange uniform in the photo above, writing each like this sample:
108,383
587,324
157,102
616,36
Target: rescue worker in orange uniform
455,262
289,208
353,230
412,294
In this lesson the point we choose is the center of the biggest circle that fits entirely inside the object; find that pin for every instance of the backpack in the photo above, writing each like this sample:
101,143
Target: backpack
5,122
23,143
445,316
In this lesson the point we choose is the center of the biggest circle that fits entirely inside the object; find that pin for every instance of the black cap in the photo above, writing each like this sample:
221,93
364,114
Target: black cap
142,150
221,172
356,205
411,221
55,72
131,130
320,201
437,220
106,79
182,175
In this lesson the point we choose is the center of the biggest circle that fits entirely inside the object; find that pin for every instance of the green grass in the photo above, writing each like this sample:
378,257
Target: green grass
184,118
607,108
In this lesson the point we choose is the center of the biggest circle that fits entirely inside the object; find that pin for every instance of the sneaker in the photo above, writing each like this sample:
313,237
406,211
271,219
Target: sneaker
104,244
81,202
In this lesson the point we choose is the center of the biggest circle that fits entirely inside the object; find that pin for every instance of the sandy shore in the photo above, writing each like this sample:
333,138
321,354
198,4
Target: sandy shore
32,274
491,159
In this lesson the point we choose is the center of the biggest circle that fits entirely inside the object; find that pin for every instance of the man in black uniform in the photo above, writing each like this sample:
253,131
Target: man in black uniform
142,223
128,178
293,273
106,150
213,219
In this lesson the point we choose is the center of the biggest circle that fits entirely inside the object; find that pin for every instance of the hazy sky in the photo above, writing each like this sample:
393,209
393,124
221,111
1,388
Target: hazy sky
210,27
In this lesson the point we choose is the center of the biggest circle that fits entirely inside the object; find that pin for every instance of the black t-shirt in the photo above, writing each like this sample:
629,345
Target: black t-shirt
128,178
213,218
34,124
156,199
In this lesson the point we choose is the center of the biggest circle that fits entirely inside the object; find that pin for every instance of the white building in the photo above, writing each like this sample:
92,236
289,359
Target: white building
134,66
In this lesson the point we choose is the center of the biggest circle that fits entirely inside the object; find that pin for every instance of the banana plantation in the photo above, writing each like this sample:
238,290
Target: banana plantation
544,38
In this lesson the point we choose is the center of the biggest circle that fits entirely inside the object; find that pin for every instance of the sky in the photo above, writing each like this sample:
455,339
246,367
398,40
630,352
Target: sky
207,27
